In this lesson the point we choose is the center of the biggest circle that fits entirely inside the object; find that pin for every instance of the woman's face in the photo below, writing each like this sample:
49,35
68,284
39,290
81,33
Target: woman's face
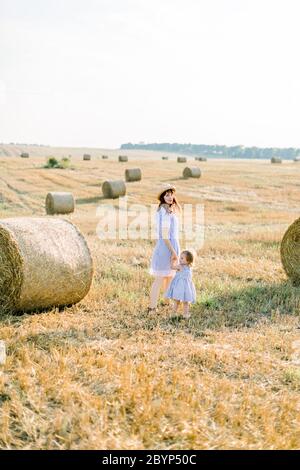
168,197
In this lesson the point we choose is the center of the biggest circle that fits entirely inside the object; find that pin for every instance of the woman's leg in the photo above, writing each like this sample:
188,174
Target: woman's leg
155,289
186,310
166,282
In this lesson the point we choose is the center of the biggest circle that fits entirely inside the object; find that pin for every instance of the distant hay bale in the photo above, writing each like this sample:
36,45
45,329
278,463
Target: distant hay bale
123,158
181,159
191,172
113,189
105,157
133,174
297,159
25,155
45,262
276,160
59,203
201,159
87,156
290,252
165,158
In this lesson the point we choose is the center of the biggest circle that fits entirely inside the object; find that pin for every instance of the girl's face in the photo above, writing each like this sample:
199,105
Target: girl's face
168,197
182,259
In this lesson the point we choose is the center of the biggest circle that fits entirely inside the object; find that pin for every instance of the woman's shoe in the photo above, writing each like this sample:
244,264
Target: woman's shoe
151,309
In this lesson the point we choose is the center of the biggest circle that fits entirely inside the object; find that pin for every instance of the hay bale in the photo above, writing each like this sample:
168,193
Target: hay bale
87,156
44,262
297,159
201,159
25,155
181,159
123,158
59,203
191,172
290,252
105,157
165,158
133,174
113,189
276,160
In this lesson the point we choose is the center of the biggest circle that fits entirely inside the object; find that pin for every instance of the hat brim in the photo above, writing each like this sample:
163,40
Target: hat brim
172,188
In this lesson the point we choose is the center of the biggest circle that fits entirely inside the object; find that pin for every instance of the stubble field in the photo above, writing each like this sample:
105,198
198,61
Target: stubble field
104,374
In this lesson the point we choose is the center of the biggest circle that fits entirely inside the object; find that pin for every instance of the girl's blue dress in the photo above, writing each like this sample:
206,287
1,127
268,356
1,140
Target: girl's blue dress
161,258
182,286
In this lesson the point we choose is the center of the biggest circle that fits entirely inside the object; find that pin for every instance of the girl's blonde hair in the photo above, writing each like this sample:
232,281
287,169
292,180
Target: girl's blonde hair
190,257
174,204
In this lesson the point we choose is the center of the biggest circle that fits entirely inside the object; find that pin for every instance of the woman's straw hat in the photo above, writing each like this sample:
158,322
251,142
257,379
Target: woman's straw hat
165,187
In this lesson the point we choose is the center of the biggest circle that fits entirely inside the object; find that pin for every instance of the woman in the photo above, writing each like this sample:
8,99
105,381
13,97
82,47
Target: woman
167,248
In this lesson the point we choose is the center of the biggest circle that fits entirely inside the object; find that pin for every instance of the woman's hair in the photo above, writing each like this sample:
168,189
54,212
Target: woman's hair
162,201
190,257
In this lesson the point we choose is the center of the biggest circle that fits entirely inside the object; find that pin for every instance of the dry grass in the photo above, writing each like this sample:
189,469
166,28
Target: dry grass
104,374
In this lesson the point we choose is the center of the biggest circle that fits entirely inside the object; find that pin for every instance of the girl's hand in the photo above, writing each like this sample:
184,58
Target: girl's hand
174,258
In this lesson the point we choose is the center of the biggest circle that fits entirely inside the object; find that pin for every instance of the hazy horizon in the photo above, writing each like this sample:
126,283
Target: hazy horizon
103,73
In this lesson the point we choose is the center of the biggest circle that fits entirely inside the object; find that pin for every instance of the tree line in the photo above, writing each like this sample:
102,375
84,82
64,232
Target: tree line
238,151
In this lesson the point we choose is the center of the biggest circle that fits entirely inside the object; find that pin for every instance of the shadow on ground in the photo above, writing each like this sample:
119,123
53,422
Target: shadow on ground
89,200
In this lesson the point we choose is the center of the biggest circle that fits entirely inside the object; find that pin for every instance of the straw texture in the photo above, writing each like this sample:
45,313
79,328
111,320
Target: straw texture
181,159
45,262
113,189
192,172
133,174
59,203
123,158
290,252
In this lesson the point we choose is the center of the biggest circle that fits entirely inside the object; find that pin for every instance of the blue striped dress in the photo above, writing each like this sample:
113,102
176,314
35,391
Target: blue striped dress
161,258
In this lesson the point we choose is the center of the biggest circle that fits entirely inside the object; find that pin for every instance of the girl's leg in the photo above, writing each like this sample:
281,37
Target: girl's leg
176,305
154,293
186,310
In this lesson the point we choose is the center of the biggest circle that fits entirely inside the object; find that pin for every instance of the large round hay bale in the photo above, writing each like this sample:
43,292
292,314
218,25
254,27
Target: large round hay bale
276,160
181,159
113,189
123,158
290,252
201,159
191,172
25,155
59,203
165,158
87,156
133,174
104,157
297,159
44,262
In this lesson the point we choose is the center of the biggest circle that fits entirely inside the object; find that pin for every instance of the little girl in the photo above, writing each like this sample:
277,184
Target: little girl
181,288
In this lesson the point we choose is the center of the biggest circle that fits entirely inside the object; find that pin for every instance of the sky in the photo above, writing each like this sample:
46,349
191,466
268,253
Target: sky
99,73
